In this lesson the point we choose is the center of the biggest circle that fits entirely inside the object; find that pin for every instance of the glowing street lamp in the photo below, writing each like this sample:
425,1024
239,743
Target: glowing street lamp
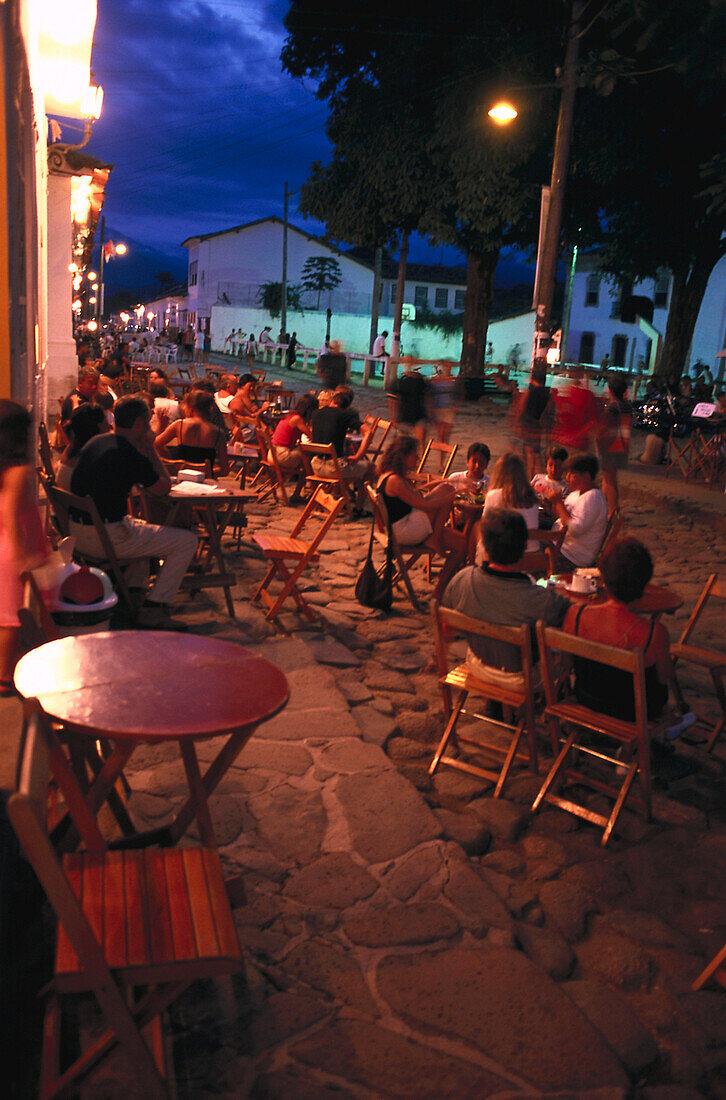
121,249
91,275
503,113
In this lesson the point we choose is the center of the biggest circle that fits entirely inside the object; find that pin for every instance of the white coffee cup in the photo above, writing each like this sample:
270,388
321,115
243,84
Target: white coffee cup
583,584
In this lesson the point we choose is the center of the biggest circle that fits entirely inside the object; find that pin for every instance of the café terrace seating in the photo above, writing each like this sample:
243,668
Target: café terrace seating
459,682
580,735
404,557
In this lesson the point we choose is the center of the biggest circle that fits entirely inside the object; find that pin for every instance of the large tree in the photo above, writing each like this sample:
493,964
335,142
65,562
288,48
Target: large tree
413,148
650,153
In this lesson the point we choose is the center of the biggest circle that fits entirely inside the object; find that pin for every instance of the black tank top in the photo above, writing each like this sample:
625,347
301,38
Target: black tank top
395,507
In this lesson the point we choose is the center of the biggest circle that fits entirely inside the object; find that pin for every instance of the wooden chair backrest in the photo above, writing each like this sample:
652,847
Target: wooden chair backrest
376,445
380,512
44,449
286,398
320,502
441,449
612,527
714,589
36,625
320,450
57,506
269,459
553,641
448,623
260,375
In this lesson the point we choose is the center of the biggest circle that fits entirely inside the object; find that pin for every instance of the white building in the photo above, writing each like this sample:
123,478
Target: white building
597,328
228,268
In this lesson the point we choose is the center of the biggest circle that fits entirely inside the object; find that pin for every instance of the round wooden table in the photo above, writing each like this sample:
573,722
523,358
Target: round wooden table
657,599
135,686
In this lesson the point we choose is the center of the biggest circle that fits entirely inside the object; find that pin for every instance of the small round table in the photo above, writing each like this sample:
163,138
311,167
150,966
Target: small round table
133,687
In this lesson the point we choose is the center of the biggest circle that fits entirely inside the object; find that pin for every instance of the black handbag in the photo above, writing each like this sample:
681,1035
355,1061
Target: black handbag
374,589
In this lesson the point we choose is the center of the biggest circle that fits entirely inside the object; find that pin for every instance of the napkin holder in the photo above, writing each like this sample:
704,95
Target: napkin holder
196,476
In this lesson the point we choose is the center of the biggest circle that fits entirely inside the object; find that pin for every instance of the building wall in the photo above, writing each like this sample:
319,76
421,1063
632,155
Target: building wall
62,364
353,332
239,262
709,336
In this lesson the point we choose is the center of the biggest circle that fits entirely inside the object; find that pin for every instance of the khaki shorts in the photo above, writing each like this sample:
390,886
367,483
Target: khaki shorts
412,529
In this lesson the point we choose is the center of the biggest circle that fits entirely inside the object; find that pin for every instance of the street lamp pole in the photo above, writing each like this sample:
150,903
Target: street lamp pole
546,276
283,295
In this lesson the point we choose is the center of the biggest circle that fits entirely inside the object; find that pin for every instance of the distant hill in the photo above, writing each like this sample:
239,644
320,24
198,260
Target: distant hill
138,269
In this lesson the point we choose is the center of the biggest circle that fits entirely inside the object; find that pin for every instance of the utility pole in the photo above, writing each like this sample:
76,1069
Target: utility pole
99,295
400,287
283,307
547,268
376,295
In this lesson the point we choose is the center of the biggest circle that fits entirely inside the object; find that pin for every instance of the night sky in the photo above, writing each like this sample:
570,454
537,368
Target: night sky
200,122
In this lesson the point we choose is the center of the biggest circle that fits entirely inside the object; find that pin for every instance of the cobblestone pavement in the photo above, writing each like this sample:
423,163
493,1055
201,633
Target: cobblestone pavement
409,937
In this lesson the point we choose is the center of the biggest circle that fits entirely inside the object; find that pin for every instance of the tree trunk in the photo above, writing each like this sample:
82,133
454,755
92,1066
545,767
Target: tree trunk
400,287
376,294
479,293
689,286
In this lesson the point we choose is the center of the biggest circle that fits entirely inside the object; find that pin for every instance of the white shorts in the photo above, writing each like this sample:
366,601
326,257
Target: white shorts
413,528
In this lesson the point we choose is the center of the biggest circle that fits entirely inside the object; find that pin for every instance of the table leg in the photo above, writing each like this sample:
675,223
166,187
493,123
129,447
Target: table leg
211,779
198,794
216,524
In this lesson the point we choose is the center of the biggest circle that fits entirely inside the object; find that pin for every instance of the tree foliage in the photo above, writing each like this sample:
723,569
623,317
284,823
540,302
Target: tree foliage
320,273
269,295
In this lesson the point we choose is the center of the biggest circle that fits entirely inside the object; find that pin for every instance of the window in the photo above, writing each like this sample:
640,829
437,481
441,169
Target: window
619,351
459,299
421,296
393,293
587,347
442,297
660,295
193,273
624,291
592,291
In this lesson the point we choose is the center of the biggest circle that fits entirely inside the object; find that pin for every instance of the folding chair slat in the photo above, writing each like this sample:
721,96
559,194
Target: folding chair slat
92,902
137,917
225,928
114,908
161,939
66,960
205,932
182,929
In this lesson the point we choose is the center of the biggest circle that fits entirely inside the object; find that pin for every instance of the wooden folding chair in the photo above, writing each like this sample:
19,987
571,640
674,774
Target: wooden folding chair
44,450
280,551
703,656
576,746
544,560
612,530
716,969
260,375
463,681
270,478
286,398
682,453
334,482
376,445
405,557
445,452
62,502
135,929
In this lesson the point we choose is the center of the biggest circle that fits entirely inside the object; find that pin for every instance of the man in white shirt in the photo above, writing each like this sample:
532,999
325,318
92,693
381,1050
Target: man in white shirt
379,350
584,512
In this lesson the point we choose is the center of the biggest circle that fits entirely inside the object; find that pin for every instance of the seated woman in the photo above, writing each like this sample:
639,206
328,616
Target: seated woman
626,569
85,422
286,435
195,438
510,488
418,517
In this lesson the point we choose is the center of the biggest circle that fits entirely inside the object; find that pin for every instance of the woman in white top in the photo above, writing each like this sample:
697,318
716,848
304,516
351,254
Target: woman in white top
510,488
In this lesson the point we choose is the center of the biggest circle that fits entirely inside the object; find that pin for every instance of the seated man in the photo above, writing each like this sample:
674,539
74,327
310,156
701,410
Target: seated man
331,425
584,512
473,480
245,403
227,389
107,469
499,592
85,391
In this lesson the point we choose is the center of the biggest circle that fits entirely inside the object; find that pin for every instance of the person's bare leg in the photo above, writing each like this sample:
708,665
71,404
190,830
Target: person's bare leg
8,657
610,489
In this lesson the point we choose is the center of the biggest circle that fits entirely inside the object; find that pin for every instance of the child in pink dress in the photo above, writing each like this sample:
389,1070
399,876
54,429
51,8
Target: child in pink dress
22,542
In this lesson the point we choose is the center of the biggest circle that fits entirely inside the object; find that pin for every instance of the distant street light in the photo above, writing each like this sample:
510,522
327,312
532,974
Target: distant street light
107,251
551,217
502,113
